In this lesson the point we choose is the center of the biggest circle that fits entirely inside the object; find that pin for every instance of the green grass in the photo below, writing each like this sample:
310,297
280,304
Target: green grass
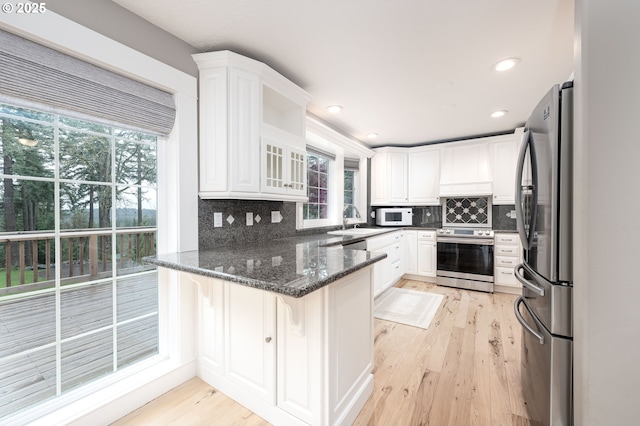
15,277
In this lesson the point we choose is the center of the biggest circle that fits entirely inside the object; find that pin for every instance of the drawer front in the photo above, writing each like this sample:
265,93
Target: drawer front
506,261
427,235
378,243
393,252
507,239
513,251
504,276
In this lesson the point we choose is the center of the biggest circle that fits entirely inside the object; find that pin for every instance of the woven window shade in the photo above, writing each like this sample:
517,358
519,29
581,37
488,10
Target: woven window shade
352,164
37,74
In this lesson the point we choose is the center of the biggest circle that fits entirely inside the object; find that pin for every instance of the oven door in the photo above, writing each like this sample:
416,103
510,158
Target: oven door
465,263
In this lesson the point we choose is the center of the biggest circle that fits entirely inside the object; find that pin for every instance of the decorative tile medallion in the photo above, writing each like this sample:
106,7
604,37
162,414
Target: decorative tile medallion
472,211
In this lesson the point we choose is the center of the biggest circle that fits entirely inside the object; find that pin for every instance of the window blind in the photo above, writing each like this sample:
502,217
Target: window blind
351,164
38,74
321,153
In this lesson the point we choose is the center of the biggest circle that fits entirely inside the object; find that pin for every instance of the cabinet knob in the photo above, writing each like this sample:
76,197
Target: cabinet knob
268,339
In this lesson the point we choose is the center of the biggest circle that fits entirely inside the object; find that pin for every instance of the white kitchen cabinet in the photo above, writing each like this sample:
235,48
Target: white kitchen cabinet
411,252
465,169
293,361
507,254
397,177
405,176
284,164
250,340
504,159
242,102
379,179
389,270
424,176
427,253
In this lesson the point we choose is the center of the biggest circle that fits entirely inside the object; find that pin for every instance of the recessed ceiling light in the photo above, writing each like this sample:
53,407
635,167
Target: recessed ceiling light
505,64
334,109
499,114
372,135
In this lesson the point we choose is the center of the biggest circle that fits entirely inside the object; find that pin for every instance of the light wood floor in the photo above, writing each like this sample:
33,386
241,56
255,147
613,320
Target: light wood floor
463,370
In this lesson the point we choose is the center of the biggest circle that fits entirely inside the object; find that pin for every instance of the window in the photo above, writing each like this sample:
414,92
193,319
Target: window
77,214
317,187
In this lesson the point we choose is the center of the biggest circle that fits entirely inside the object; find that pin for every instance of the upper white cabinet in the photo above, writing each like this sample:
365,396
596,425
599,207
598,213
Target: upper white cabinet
405,176
504,158
424,175
465,169
284,165
252,130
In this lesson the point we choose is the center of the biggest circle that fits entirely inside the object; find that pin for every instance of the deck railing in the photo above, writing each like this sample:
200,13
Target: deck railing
84,256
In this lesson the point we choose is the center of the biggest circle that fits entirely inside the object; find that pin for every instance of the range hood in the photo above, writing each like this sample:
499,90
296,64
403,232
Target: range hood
465,170
469,189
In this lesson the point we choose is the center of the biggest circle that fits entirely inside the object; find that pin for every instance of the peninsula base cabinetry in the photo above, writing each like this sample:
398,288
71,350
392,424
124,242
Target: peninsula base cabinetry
292,361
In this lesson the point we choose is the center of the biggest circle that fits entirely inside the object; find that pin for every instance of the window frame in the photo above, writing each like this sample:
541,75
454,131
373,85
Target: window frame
330,169
115,395
326,139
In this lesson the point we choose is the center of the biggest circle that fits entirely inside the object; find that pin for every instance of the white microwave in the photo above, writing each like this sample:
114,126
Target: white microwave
394,216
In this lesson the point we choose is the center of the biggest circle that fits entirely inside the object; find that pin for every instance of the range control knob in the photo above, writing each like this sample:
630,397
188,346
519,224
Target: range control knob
448,231
487,233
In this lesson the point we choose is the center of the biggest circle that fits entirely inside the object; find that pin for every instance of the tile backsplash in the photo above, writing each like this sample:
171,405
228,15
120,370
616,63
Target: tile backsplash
277,219
503,219
467,211
269,220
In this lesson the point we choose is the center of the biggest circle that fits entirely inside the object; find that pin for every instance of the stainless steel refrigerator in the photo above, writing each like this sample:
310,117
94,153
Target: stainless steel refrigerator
544,200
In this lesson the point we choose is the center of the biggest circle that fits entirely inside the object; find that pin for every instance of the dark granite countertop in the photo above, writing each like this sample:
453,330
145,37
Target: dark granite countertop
291,266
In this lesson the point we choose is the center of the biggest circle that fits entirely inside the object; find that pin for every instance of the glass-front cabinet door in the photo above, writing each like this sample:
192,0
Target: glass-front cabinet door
284,168
297,171
274,162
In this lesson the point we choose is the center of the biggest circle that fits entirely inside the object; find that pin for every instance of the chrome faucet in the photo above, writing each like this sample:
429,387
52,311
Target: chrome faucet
344,216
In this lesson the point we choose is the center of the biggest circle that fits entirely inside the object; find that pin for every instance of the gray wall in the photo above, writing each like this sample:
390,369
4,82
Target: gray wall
117,23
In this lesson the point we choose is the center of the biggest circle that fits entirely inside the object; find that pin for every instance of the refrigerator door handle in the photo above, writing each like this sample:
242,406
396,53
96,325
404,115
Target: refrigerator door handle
516,307
517,271
520,222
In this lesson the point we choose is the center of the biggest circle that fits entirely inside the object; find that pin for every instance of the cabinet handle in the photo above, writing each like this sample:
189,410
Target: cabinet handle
268,339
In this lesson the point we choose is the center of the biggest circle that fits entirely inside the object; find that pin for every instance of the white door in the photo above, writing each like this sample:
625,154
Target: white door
250,333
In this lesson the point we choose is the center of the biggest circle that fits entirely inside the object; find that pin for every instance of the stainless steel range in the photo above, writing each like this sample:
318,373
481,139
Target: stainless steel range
465,258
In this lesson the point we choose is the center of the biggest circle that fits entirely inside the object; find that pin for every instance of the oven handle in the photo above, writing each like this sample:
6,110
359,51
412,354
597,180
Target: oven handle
483,241
523,323
525,282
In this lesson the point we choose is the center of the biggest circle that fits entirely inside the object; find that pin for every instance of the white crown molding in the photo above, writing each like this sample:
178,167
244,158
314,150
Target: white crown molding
318,128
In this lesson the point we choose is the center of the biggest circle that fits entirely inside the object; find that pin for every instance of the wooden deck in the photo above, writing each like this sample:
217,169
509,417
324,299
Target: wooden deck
28,331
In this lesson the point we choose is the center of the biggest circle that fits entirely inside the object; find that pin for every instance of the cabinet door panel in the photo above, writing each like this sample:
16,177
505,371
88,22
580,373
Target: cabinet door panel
397,175
427,258
297,171
244,131
424,177
213,139
505,157
250,350
274,161
411,244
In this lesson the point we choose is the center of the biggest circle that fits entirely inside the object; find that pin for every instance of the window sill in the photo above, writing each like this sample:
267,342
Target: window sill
135,387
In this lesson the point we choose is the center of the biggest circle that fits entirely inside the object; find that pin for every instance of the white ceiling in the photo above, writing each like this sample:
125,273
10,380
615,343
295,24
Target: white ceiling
413,71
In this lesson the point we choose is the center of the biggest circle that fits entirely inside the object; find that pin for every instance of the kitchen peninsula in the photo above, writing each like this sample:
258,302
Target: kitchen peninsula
285,327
